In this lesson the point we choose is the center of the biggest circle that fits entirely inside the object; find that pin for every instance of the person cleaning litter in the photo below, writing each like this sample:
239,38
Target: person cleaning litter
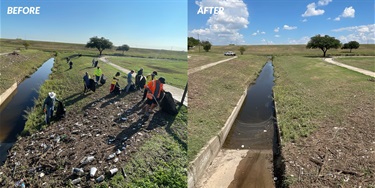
97,73
114,84
154,89
86,82
48,106
149,78
130,81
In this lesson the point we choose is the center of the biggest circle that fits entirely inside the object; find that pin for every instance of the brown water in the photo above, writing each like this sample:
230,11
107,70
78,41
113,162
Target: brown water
12,112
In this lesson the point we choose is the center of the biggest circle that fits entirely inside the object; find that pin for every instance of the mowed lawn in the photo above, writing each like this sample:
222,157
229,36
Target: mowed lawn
366,63
213,94
174,71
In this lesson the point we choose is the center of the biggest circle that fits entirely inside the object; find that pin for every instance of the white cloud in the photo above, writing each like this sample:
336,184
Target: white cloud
223,28
277,29
258,33
312,11
363,34
287,27
277,36
304,20
348,12
324,2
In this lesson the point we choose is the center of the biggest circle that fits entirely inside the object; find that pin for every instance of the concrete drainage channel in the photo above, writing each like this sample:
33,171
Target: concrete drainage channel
247,150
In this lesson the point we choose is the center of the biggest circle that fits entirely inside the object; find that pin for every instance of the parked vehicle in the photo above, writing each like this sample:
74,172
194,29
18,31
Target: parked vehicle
230,53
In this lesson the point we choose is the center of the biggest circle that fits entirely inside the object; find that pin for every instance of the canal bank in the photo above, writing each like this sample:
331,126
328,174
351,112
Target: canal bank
245,155
13,109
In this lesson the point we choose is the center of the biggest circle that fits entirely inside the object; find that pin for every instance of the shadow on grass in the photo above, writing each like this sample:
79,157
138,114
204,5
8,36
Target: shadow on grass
170,131
72,99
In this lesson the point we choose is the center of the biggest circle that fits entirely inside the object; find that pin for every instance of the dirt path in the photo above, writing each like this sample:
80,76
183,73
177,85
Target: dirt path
176,92
197,69
366,72
239,169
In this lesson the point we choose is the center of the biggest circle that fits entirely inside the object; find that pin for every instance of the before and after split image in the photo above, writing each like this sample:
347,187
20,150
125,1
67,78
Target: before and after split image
187,93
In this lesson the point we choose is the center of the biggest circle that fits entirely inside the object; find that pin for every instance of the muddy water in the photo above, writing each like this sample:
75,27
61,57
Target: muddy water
11,113
254,125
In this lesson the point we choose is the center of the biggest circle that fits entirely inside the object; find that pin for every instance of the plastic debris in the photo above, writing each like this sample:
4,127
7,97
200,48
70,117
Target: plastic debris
41,175
93,171
113,171
115,160
88,159
78,171
111,156
242,146
76,181
20,183
100,178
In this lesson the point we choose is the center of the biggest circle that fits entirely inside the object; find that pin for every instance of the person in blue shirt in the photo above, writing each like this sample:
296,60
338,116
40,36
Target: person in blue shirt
129,79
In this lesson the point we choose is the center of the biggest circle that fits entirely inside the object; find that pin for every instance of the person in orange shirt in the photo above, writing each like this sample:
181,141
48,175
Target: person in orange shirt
154,89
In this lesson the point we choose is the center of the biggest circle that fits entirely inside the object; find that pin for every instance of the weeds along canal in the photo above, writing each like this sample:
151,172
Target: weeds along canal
12,112
250,155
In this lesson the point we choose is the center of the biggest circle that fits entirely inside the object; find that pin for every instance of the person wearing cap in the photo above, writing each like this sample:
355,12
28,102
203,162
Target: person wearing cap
97,73
86,82
138,78
129,79
48,106
154,89
149,78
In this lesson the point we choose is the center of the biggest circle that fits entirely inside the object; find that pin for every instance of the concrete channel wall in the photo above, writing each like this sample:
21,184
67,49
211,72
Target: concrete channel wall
4,96
207,154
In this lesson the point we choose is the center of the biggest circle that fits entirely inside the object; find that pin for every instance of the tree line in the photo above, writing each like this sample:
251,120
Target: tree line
323,43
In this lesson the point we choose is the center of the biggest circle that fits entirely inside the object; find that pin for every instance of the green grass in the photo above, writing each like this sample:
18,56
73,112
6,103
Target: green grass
175,72
160,162
287,50
199,59
14,68
13,44
367,63
213,94
68,85
309,91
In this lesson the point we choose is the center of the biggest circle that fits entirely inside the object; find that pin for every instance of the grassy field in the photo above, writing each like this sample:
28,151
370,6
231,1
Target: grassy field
367,63
309,91
213,93
13,44
14,68
161,161
175,72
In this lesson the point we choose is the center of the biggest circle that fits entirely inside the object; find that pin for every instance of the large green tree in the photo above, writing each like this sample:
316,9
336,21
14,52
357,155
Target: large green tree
324,43
192,42
206,45
351,45
123,48
242,50
99,43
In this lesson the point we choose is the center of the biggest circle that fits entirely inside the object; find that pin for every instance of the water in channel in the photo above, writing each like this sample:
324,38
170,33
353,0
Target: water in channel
254,125
12,112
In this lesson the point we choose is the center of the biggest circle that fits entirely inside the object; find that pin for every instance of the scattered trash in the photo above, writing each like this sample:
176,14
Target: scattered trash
78,171
20,183
100,179
41,175
275,179
264,131
111,156
76,181
118,152
113,171
93,171
95,117
242,146
124,119
88,159
115,160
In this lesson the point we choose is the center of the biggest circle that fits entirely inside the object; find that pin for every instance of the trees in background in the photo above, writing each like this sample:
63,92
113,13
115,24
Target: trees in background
99,43
123,48
192,42
323,42
351,45
206,45
242,49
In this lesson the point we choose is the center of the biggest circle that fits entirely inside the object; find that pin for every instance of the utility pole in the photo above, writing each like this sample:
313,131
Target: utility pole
199,44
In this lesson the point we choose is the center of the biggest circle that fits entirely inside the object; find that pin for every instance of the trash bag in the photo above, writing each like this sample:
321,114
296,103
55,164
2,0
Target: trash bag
168,105
142,82
103,79
60,112
92,86
116,90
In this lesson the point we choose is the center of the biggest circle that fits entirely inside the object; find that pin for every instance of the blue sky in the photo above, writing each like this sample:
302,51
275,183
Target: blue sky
282,21
157,24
